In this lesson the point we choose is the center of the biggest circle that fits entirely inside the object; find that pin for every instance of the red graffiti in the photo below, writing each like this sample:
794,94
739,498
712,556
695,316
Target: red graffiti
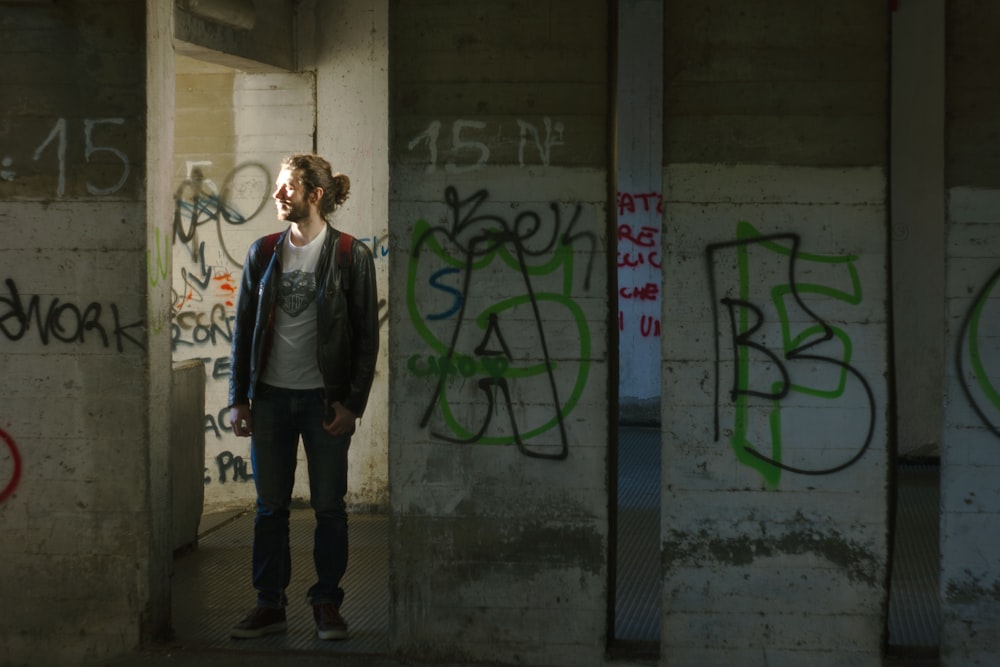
647,292
626,260
8,490
647,201
226,285
649,326
645,238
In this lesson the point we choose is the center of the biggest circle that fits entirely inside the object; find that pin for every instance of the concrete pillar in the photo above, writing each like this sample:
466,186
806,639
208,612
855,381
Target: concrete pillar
83,342
499,355
918,222
775,334
970,505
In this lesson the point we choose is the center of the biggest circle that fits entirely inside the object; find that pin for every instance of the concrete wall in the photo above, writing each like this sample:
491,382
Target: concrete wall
970,506
775,448
499,366
77,464
159,131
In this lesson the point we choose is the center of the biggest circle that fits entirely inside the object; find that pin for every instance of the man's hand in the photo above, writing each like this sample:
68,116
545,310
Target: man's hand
343,420
239,419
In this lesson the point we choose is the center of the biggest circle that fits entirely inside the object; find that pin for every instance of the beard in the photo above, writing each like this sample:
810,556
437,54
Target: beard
292,211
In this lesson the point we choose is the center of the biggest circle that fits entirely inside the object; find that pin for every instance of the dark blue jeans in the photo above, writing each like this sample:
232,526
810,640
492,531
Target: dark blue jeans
280,417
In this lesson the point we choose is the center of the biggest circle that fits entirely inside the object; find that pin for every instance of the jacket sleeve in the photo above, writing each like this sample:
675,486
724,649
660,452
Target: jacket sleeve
363,306
240,361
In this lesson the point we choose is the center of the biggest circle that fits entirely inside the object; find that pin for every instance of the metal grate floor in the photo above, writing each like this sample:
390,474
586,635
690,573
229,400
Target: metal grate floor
212,590
914,599
637,602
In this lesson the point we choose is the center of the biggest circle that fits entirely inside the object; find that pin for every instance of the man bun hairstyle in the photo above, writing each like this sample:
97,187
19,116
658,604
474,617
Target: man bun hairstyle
316,172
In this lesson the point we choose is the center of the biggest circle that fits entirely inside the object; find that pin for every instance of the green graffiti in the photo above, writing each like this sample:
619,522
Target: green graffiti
162,264
458,365
983,392
501,327
975,358
794,345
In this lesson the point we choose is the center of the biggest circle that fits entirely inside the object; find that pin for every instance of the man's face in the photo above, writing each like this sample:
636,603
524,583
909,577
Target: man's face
290,197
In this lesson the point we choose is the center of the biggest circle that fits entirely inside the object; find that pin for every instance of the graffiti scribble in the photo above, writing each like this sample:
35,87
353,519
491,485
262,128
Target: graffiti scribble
750,350
976,371
484,269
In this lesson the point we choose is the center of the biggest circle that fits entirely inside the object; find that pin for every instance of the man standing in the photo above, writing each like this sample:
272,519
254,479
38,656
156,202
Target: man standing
305,342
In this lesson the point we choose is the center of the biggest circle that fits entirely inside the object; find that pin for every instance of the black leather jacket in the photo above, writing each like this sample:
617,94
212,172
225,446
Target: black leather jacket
346,317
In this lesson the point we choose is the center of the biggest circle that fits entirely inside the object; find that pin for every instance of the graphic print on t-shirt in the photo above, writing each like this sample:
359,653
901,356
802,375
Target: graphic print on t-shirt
296,291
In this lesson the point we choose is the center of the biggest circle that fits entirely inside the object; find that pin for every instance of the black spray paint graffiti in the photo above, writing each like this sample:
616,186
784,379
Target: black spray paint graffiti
746,320
199,328
523,250
198,201
66,322
978,365
228,462
218,424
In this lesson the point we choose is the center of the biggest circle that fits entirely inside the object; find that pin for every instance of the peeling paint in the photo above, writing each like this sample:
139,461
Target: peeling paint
856,561
533,545
971,590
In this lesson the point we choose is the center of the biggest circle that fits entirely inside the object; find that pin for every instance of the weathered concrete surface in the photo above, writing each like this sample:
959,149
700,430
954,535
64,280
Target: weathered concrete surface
499,400
776,451
83,451
970,505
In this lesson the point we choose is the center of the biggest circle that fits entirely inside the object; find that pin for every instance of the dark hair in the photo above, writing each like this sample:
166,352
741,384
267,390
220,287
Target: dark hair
315,172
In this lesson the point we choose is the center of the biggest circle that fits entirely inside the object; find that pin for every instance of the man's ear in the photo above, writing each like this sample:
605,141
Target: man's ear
316,195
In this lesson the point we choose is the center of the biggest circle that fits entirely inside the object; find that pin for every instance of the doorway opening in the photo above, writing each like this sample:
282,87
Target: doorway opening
232,128
639,104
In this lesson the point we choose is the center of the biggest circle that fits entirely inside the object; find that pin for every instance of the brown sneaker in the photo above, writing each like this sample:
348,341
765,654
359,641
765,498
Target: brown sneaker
259,622
329,623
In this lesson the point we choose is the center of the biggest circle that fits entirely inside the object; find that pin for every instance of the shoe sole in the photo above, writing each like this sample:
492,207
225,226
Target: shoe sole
274,628
333,634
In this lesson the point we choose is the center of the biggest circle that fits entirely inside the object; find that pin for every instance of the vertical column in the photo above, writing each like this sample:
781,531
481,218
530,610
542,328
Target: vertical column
498,355
76,424
970,549
775,449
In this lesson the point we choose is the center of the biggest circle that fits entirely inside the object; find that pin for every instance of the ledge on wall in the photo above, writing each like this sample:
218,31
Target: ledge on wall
239,14
246,35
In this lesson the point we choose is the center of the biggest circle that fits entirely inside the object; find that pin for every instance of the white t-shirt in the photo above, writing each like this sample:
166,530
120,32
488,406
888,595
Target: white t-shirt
292,360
